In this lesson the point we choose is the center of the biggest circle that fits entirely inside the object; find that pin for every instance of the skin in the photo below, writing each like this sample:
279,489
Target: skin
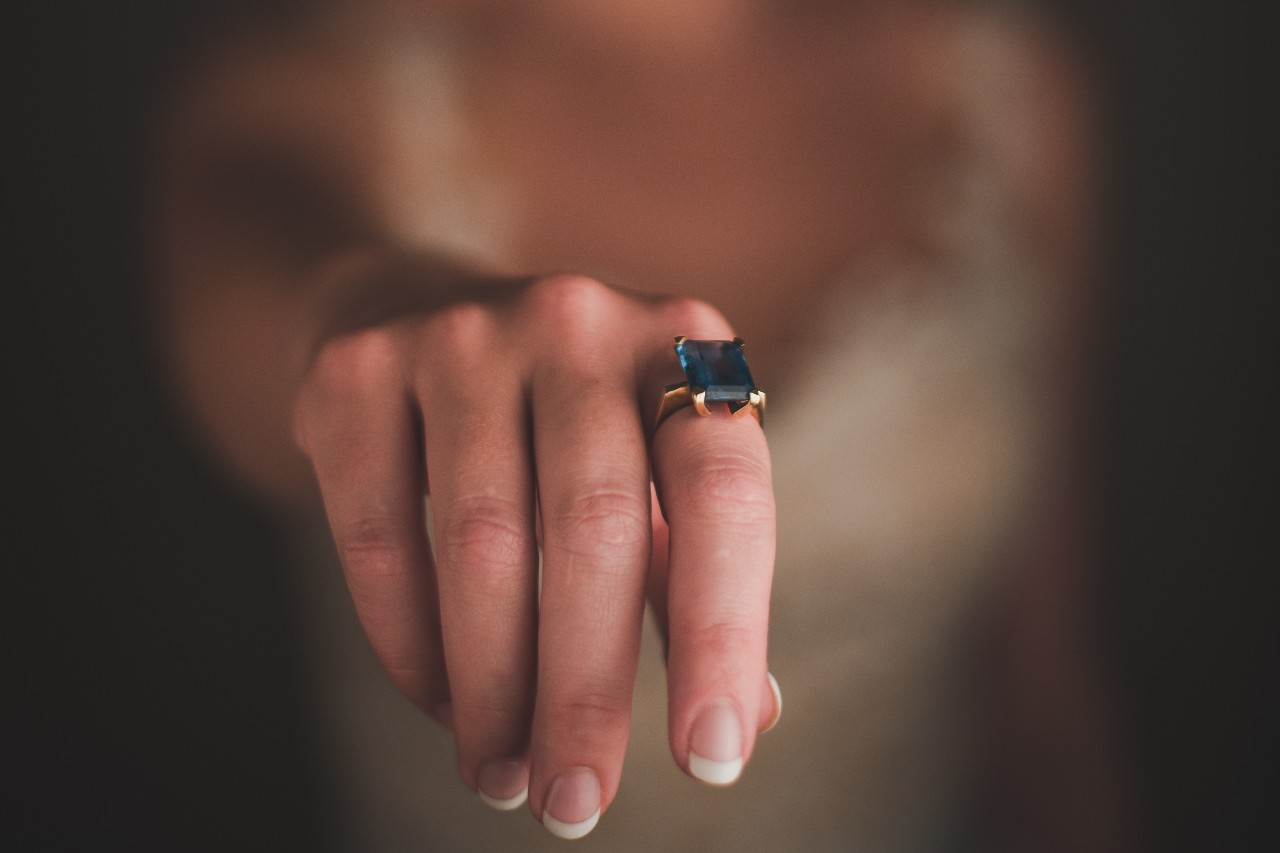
335,352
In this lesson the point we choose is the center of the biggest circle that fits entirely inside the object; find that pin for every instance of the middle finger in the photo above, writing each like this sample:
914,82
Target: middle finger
481,486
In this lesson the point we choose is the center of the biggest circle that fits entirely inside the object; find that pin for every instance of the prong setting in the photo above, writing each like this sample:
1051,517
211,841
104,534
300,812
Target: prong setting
717,372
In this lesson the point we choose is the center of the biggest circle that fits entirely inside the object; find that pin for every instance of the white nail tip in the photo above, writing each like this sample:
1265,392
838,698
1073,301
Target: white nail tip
777,703
715,772
508,804
570,830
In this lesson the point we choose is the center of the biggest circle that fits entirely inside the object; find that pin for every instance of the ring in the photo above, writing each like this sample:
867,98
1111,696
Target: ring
717,373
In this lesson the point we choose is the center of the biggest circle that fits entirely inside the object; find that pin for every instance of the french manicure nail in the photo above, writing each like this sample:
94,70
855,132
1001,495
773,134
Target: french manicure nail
777,703
573,803
503,783
715,745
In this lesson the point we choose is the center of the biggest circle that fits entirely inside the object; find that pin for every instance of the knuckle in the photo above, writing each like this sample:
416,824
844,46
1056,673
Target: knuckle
568,300
499,706
344,369
737,487
603,519
358,360
490,540
461,328
374,550
725,637
594,709
701,319
494,711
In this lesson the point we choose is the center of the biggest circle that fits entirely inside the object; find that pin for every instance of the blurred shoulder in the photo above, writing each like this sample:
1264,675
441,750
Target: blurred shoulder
1027,105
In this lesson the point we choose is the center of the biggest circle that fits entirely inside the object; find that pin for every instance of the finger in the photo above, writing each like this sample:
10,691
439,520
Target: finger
482,497
357,424
656,593
698,320
594,491
714,483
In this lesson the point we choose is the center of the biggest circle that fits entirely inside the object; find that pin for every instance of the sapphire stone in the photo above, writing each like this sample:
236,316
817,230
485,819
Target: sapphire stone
719,368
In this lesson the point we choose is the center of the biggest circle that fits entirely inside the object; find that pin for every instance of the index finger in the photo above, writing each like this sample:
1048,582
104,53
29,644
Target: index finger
713,479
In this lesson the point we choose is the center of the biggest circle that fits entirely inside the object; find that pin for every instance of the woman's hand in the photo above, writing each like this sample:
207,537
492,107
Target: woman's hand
528,418
289,309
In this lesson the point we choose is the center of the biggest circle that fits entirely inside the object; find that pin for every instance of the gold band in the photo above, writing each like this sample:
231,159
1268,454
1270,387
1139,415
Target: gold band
678,396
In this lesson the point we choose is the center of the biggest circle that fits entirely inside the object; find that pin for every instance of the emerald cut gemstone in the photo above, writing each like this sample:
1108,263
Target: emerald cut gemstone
717,367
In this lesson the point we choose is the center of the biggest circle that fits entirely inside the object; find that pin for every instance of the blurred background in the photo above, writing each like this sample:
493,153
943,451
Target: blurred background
151,702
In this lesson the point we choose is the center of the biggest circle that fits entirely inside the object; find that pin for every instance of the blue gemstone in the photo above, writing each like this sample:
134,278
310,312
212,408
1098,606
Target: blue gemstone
717,367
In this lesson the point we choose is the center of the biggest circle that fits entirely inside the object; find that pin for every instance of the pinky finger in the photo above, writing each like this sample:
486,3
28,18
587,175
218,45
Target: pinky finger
358,426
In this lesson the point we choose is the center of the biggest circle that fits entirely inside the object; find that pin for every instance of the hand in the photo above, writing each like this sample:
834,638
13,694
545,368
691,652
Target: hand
527,419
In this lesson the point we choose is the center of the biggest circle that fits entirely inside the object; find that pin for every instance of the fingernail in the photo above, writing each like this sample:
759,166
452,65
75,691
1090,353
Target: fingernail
715,745
777,703
503,783
573,803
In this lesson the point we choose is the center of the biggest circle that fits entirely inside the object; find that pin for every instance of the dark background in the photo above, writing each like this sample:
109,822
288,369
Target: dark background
1188,509
150,654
